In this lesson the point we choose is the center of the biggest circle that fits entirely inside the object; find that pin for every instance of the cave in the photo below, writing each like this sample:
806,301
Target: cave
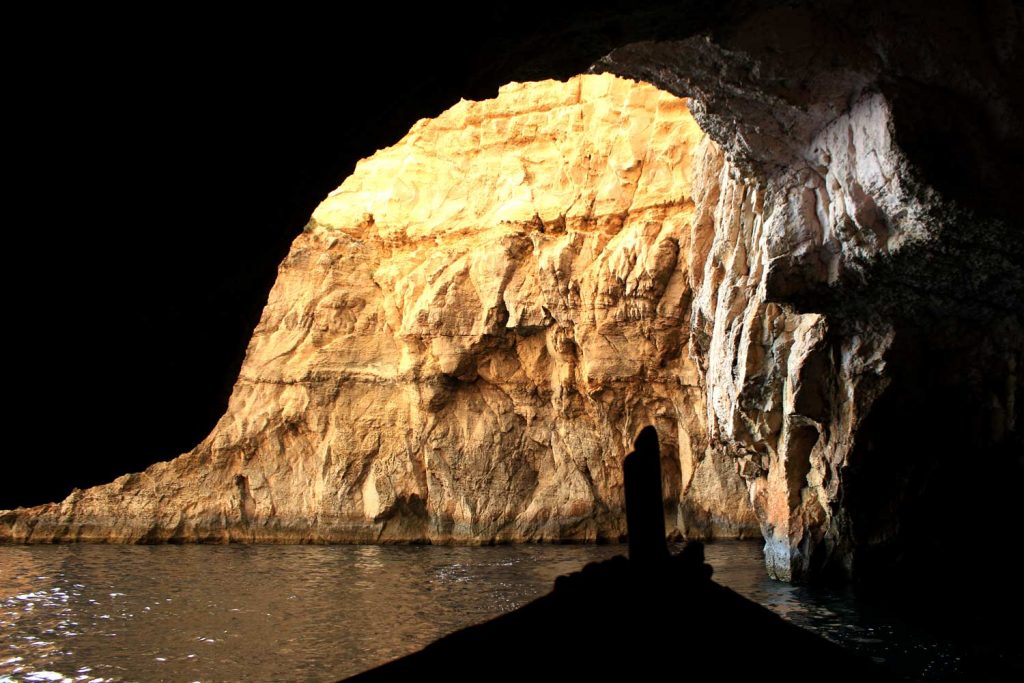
885,172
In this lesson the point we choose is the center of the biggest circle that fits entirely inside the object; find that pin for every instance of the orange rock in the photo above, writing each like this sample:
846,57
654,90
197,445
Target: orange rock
463,343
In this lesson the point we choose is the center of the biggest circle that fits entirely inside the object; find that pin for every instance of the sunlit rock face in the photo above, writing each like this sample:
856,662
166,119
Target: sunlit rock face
820,304
467,337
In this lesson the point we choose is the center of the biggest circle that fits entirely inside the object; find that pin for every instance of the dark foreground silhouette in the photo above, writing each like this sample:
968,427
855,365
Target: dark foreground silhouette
654,615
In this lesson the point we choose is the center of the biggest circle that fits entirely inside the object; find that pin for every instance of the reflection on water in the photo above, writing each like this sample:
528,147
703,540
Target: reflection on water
109,613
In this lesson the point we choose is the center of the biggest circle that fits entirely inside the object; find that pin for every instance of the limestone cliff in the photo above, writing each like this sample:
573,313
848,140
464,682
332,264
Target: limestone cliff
466,338
819,303
462,344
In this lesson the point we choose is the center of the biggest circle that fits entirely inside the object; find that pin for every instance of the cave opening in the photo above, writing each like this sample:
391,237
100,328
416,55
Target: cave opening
975,256
847,385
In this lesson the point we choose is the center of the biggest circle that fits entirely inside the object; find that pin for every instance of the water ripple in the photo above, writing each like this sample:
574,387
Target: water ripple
114,613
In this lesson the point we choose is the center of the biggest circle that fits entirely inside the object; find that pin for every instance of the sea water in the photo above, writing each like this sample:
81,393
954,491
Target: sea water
320,613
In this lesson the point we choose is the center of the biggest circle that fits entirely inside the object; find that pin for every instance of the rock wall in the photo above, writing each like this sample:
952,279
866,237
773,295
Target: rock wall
860,326
818,303
787,390
465,340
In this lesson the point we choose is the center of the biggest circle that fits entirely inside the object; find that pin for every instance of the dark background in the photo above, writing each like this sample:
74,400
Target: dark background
160,172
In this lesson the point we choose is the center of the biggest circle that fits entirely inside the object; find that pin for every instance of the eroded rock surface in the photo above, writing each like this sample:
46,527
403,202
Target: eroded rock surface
860,323
819,305
465,340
